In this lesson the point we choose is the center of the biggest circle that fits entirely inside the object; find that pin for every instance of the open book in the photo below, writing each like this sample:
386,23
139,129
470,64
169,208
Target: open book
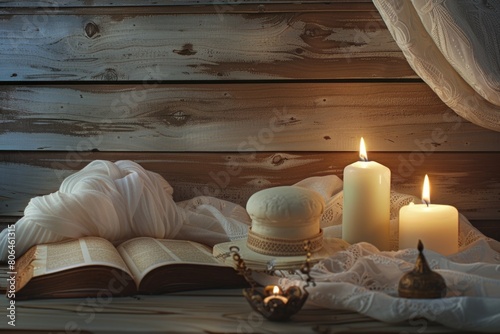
92,266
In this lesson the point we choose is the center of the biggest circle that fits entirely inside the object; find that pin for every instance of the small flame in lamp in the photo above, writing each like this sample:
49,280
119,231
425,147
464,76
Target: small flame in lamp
362,150
271,301
276,296
426,191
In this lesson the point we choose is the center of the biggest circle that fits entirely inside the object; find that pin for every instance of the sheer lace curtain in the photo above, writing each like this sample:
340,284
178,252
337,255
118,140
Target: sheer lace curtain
454,46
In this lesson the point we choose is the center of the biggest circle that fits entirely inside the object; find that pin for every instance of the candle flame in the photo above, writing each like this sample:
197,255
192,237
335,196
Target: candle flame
362,150
276,290
426,191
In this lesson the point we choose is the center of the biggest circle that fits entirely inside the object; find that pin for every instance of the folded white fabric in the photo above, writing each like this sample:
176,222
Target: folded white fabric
119,201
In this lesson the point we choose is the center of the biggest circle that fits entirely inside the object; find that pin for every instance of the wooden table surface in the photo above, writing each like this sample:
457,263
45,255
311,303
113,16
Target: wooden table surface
207,311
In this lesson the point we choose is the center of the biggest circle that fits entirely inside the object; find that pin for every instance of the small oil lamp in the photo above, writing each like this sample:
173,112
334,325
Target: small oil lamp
271,301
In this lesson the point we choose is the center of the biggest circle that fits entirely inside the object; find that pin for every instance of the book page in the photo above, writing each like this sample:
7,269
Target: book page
145,254
51,258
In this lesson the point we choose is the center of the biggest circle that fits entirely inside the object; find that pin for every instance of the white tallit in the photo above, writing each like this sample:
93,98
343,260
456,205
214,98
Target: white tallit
119,201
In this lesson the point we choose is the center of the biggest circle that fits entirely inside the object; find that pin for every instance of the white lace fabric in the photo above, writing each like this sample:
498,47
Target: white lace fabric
454,46
364,280
121,200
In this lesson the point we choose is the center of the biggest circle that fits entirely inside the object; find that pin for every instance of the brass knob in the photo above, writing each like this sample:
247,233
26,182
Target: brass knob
422,282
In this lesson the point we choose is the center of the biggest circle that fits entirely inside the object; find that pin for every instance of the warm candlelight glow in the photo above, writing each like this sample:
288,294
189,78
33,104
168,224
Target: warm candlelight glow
426,191
277,295
367,202
362,150
435,224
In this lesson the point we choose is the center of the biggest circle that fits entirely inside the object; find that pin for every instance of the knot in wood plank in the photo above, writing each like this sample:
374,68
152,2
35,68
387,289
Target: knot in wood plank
91,29
110,75
278,159
313,30
187,50
177,118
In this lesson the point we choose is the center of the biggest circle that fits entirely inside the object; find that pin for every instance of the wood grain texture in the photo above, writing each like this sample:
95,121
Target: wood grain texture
206,311
127,44
218,7
235,117
190,79
469,181
222,98
106,3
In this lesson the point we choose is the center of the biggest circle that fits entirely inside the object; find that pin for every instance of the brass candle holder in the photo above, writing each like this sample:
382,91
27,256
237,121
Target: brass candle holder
271,301
421,282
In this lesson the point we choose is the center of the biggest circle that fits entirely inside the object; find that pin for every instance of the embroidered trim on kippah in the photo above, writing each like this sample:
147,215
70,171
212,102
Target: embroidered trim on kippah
282,247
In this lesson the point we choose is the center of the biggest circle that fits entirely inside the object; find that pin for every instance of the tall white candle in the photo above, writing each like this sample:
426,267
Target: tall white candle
436,225
367,202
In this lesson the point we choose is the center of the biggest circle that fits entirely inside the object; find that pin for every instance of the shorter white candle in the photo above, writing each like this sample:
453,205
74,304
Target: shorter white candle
436,225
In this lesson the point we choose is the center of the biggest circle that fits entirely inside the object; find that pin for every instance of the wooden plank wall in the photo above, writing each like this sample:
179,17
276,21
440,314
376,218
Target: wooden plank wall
226,97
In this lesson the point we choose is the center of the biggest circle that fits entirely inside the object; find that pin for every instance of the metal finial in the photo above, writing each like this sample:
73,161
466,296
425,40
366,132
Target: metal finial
421,282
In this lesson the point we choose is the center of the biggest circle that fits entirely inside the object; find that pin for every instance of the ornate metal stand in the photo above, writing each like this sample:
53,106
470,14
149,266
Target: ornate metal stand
271,301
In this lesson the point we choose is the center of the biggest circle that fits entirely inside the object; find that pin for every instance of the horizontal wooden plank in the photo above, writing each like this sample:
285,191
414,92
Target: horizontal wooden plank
212,9
204,311
235,117
127,44
469,181
121,3
220,9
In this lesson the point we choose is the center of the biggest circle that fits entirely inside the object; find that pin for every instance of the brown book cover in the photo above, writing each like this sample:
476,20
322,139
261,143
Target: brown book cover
94,267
